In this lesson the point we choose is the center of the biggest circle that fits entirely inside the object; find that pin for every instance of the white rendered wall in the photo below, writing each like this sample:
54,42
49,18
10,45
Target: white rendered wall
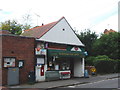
38,73
78,68
58,35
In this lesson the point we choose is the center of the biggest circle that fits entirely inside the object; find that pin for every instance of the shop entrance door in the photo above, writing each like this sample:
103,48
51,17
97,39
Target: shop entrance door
13,76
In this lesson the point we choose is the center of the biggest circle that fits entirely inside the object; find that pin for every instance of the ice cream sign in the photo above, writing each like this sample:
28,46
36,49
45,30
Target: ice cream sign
40,51
76,49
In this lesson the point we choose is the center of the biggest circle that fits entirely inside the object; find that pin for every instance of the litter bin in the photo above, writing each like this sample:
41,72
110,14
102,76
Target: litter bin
31,77
86,75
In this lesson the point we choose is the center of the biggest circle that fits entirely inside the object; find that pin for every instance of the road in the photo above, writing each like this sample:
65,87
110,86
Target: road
109,83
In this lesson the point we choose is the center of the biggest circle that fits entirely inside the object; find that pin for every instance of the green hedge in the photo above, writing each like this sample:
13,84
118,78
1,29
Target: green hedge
104,64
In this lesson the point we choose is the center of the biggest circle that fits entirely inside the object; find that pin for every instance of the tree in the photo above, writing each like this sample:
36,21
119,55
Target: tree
26,26
88,38
108,44
12,26
27,19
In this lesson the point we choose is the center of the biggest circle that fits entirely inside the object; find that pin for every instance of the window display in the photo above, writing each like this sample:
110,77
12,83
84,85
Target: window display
59,64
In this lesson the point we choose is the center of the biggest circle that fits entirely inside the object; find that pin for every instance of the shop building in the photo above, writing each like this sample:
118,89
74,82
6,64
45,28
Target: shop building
59,54
52,51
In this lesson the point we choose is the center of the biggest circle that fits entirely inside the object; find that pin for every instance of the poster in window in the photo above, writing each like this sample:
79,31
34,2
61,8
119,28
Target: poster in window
20,63
40,61
40,51
56,67
9,62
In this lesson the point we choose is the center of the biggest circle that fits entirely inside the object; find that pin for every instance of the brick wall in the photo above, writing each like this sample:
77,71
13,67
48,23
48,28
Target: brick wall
23,49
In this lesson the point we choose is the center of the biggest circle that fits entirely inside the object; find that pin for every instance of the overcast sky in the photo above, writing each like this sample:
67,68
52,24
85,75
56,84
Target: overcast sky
96,15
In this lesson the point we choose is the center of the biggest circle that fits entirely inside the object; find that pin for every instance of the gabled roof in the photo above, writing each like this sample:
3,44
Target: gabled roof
56,32
39,31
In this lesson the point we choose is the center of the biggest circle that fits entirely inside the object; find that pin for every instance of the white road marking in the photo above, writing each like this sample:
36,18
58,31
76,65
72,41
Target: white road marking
71,86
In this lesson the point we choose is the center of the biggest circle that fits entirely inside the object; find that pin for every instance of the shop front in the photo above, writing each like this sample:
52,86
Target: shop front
59,52
67,63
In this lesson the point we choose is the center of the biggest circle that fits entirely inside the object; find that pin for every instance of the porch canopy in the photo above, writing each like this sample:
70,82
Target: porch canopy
63,53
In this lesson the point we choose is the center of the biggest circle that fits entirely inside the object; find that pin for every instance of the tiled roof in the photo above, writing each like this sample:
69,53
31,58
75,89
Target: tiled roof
4,32
108,31
39,31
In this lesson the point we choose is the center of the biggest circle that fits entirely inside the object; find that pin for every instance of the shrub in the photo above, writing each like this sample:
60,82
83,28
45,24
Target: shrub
104,64
90,60
102,57
117,66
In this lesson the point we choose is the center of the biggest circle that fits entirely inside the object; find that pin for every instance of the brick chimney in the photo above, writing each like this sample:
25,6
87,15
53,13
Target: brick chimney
106,31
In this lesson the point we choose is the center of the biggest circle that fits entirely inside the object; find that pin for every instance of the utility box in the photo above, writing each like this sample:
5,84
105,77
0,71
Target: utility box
13,76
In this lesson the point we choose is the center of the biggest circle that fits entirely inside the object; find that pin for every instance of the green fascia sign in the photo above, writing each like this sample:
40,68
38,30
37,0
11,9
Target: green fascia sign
62,53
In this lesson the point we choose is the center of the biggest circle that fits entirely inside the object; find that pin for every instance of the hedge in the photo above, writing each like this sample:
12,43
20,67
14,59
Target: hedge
104,64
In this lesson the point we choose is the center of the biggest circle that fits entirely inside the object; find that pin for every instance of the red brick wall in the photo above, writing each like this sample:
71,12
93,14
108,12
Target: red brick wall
23,49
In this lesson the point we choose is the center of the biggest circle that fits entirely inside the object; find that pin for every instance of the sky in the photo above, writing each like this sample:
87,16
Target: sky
96,15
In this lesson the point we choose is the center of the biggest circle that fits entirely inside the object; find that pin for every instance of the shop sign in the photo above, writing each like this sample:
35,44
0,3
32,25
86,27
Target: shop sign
76,49
86,53
93,69
20,63
69,54
40,51
61,53
40,61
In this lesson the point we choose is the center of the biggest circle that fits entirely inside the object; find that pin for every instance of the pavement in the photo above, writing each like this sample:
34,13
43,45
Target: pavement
63,83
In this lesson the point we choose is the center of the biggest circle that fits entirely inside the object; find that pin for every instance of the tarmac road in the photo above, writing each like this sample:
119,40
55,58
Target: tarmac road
109,83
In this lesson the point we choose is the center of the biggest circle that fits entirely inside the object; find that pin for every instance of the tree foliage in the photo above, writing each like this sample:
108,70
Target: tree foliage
13,27
88,38
108,44
27,21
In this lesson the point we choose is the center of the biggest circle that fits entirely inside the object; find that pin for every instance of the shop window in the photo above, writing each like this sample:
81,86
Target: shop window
9,62
58,64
